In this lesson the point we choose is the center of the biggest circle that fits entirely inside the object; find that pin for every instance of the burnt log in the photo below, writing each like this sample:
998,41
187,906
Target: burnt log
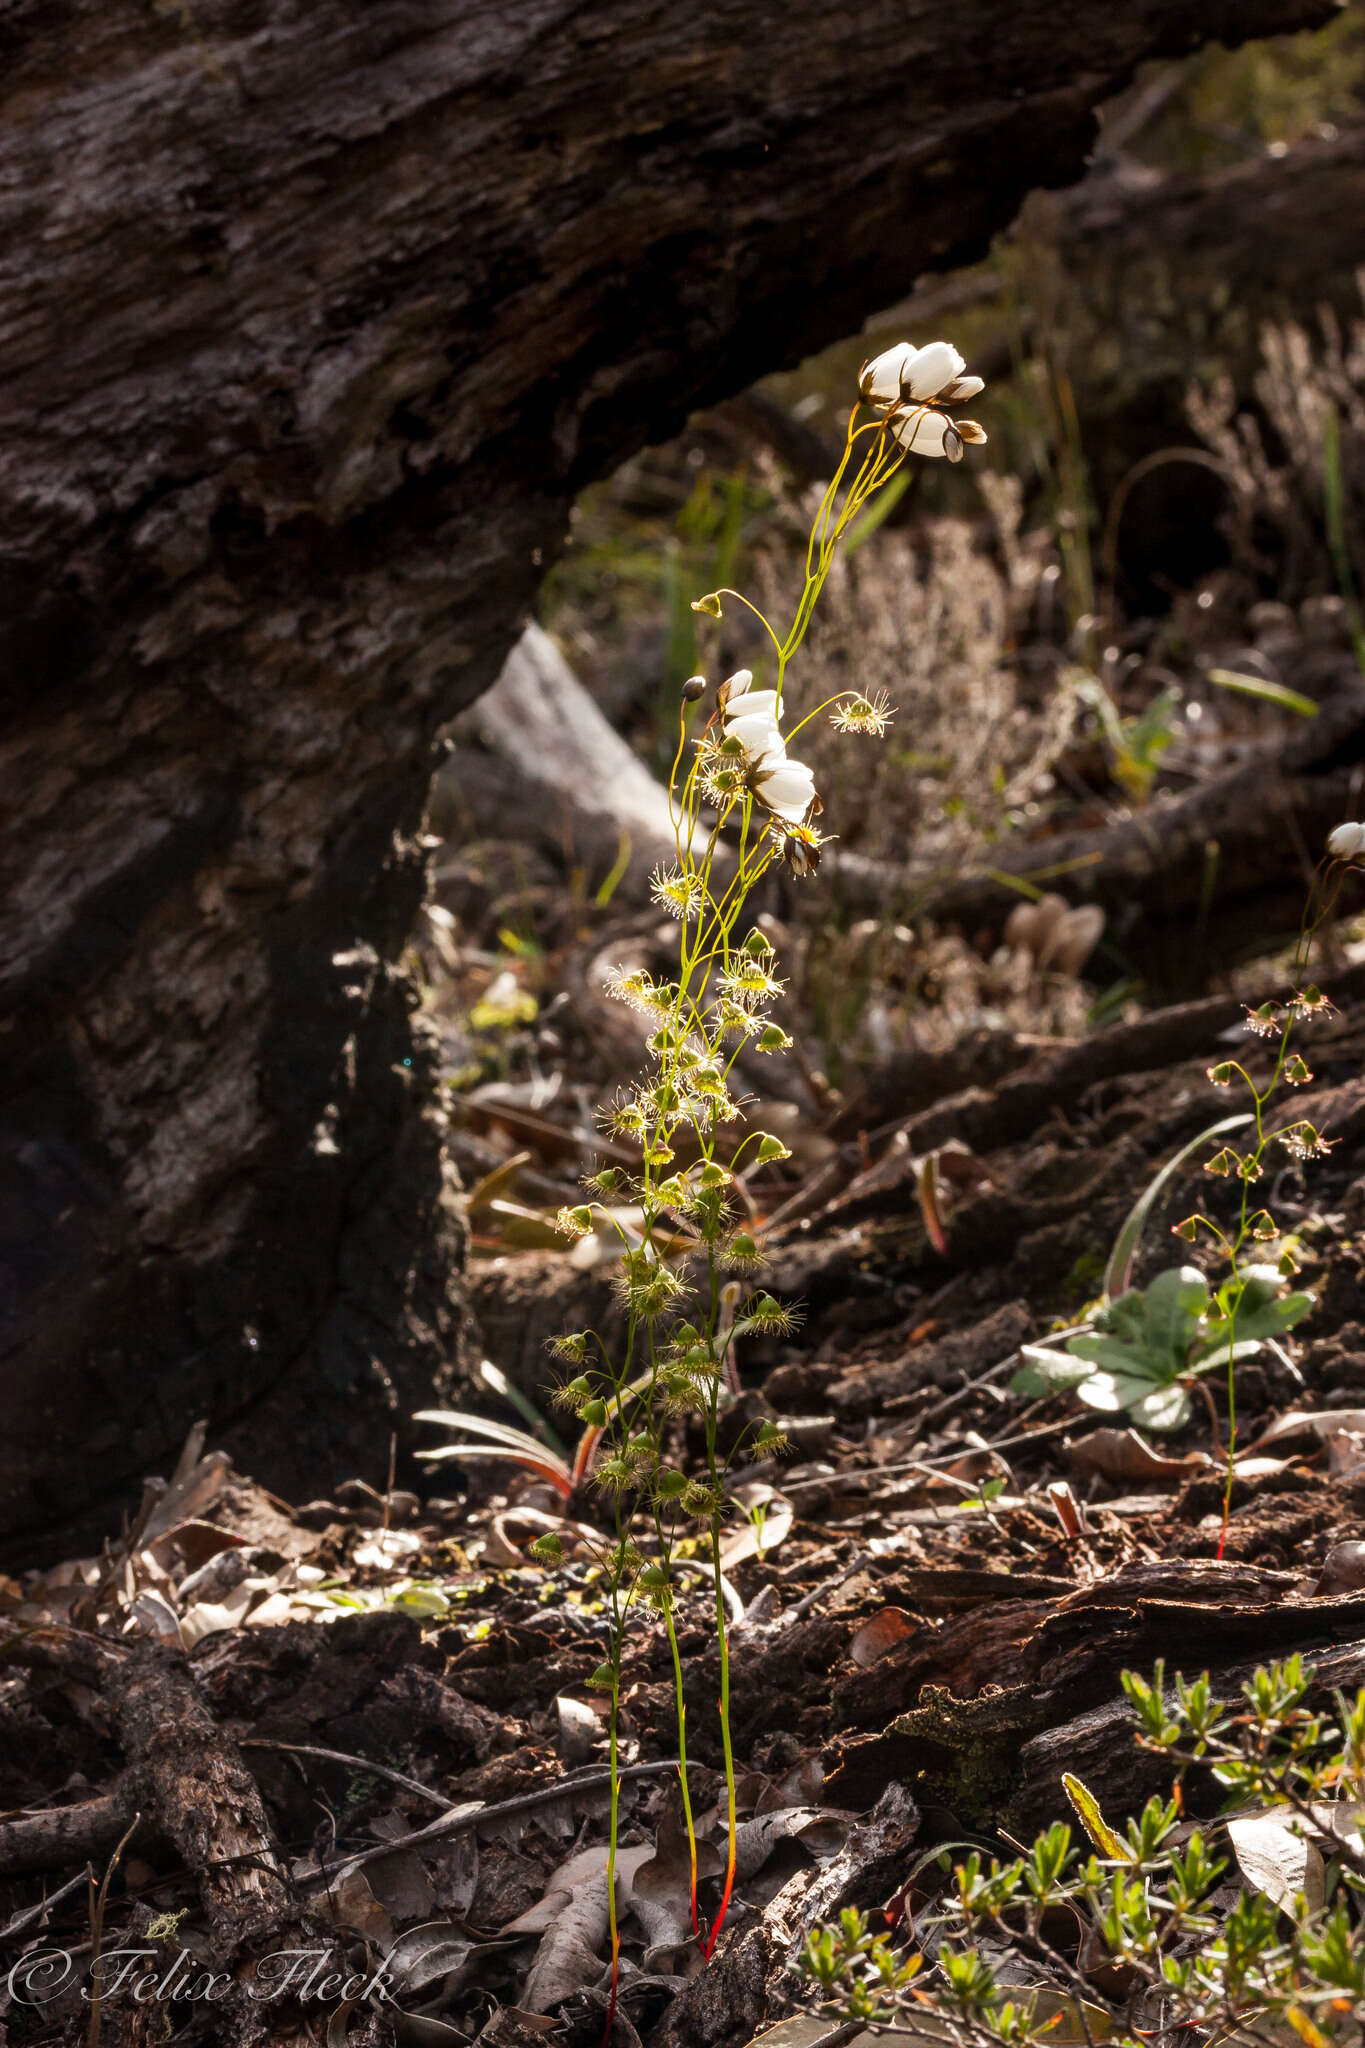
312,322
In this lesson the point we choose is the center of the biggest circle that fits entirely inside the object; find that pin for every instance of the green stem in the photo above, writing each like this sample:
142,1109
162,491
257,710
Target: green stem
723,1642
680,1708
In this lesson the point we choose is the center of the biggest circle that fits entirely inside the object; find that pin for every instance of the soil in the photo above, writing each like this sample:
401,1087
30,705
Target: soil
915,1658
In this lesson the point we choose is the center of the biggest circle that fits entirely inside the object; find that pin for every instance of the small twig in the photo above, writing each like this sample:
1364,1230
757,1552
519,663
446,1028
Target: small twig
21,1922
462,1820
359,1763
930,1465
964,1392
98,1900
808,1600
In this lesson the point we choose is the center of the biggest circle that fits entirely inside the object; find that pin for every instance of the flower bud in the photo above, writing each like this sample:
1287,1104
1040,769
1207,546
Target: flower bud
549,1549
757,944
693,688
654,1578
1346,842
1221,1075
772,1038
594,1413
671,1484
770,1147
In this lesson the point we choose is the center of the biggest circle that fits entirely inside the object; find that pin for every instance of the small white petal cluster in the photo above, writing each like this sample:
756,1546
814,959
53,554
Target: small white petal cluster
783,786
911,386
1346,842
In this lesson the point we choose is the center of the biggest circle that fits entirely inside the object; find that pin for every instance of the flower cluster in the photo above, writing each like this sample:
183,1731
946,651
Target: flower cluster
749,716
912,386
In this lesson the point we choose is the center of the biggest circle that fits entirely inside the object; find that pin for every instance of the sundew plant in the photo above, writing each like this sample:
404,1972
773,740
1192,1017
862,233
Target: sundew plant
740,803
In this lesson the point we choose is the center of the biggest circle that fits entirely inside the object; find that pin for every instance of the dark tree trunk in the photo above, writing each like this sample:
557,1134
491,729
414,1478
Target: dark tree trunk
312,321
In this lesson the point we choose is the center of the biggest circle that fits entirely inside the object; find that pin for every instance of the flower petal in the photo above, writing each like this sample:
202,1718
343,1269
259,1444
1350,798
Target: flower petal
754,704
759,738
971,431
921,432
787,788
930,370
960,390
879,380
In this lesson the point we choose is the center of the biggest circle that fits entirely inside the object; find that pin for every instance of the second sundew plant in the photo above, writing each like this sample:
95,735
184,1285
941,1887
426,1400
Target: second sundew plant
1249,1310
740,804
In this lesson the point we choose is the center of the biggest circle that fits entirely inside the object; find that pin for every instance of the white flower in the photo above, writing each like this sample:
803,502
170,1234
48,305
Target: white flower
759,738
787,789
921,432
1346,842
880,380
917,374
931,370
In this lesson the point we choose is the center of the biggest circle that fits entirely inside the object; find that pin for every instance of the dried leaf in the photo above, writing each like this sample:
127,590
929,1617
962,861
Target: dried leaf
878,1634
348,1902
1121,1454
422,1955
770,1517
1310,1426
1276,1857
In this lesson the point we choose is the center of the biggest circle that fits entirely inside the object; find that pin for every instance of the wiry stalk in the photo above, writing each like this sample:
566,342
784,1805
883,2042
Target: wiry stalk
722,1639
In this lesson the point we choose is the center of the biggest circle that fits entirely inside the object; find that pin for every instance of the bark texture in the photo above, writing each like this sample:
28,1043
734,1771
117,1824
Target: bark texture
311,320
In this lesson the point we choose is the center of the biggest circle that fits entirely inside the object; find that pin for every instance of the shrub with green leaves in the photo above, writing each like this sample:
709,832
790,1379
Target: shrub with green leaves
1249,1928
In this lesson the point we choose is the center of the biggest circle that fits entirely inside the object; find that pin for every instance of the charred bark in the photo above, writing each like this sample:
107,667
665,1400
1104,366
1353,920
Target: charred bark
312,322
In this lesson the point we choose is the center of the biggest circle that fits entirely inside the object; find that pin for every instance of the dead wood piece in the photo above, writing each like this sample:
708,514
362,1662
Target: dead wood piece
59,1836
1098,1746
536,760
1159,1039
189,1779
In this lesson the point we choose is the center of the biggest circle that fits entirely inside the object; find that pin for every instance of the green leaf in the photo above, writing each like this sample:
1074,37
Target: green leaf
1046,1372
1163,1408
1091,1819
1173,1305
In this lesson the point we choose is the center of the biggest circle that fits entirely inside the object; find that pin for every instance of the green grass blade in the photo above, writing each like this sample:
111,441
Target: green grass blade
1118,1272
1266,692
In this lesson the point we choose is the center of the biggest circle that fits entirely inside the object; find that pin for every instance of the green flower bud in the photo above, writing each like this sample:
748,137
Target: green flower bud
671,1484
594,1413
757,944
772,1148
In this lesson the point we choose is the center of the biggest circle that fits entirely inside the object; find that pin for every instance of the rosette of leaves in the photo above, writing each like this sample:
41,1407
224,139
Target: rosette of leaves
1142,1350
